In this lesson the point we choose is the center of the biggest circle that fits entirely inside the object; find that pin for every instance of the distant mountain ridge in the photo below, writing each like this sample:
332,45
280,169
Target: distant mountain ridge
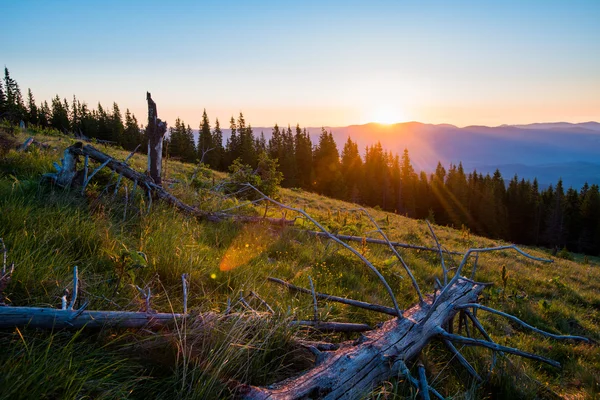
548,151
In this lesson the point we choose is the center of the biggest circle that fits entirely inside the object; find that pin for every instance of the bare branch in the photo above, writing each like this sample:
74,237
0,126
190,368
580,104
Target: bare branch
457,276
462,360
332,326
332,237
423,386
522,323
496,347
343,300
316,309
185,292
437,243
132,153
406,373
75,288
391,246
264,303
104,164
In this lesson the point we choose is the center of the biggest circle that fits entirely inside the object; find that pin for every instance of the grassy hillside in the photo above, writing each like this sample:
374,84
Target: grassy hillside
48,230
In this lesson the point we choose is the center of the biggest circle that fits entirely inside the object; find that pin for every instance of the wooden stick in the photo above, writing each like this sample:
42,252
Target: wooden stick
85,183
75,288
332,326
423,386
522,323
85,171
26,144
437,243
343,300
378,241
496,347
415,382
462,360
185,292
4,257
398,256
457,276
132,153
264,303
316,309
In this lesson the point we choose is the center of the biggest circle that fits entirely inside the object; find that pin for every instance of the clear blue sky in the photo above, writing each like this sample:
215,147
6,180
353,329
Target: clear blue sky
314,62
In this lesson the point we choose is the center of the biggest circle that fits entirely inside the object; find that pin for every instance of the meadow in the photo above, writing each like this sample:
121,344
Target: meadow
116,246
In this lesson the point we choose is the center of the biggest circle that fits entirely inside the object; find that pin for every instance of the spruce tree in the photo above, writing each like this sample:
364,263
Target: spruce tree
205,140
352,170
304,158
60,116
32,109
328,176
216,159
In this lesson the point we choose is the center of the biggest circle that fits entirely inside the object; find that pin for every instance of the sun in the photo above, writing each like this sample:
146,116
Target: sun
385,115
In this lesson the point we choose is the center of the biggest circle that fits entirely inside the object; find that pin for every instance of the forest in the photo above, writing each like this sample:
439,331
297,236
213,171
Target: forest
518,210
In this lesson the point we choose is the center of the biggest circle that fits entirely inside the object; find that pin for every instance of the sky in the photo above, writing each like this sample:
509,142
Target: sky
316,63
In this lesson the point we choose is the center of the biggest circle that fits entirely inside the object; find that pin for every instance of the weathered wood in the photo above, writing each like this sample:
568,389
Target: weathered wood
52,318
353,370
26,144
121,168
332,326
65,173
343,300
155,131
379,241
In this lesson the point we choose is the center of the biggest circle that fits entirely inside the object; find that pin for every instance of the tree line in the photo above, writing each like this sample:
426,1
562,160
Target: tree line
519,211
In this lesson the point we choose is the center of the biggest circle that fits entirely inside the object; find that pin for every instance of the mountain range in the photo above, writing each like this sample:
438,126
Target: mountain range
546,151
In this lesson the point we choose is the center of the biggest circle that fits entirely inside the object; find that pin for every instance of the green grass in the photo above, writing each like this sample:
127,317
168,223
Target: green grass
48,231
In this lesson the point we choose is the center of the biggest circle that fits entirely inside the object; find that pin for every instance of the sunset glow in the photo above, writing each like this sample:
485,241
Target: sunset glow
385,115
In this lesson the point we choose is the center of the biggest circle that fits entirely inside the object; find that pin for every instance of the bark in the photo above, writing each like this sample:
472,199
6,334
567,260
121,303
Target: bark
52,318
155,130
355,369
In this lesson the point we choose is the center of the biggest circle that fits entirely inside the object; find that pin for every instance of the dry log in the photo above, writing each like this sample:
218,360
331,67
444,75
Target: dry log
67,172
52,318
353,370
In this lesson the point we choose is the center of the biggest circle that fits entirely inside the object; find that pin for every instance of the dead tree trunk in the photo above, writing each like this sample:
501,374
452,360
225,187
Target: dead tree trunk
355,369
155,130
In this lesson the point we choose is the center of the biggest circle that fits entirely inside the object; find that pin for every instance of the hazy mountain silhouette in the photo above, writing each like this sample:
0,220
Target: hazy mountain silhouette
547,151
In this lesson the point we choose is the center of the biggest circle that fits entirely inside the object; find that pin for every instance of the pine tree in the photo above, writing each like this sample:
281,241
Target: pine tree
304,158
15,108
32,109
132,135
287,158
590,217
216,159
44,115
233,144
408,184
3,104
205,140
60,116
328,176
352,170
116,125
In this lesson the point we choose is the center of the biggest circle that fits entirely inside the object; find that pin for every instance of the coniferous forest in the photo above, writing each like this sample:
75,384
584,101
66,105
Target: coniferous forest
518,211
